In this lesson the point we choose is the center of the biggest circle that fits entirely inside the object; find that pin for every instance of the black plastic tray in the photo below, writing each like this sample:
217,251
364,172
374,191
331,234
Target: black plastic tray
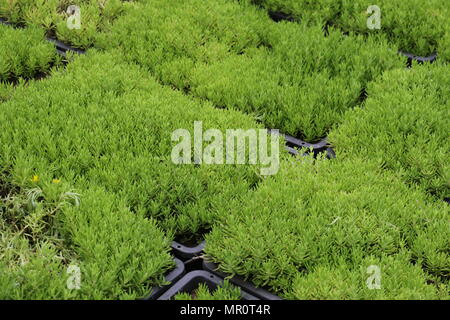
192,280
262,294
185,252
62,48
412,57
293,144
171,277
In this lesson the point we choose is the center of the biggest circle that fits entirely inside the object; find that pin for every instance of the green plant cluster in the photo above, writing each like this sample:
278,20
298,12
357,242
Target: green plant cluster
24,54
105,123
311,232
51,15
285,75
225,292
404,124
416,26
48,229
6,90
87,178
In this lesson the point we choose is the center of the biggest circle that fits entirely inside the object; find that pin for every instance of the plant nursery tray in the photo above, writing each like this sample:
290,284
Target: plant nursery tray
171,277
190,282
260,293
186,252
411,57
293,144
329,151
63,48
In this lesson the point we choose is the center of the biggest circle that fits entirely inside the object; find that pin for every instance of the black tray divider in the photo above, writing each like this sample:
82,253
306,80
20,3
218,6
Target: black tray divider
185,252
238,281
171,277
293,144
62,47
412,57
190,282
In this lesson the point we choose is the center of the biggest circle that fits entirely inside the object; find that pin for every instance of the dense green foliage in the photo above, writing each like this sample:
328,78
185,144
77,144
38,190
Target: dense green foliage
399,280
284,74
6,90
24,54
404,124
105,123
46,228
225,292
416,26
328,221
87,178
96,16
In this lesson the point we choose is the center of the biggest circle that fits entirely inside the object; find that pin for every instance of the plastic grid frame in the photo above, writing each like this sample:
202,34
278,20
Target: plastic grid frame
260,293
190,282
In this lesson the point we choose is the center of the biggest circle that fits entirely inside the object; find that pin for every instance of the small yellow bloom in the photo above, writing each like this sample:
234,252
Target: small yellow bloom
56,181
35,179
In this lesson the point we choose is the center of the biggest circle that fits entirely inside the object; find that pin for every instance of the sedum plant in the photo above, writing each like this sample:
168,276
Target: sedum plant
24,54
444,47
297,86
6,91
324,222
52,16
105,123
400,280
237,58
50,232
404,125
415,26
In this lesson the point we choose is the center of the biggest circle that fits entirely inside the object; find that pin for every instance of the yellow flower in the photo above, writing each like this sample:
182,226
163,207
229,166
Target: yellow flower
35,179
56,181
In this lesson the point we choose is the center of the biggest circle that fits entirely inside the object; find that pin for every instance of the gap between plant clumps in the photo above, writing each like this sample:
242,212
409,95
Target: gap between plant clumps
185,252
